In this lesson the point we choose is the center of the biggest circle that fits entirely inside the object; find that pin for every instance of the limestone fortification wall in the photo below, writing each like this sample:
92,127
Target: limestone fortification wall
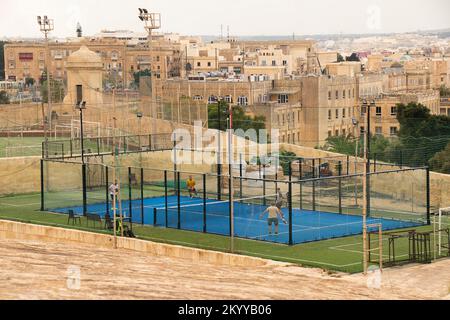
22,231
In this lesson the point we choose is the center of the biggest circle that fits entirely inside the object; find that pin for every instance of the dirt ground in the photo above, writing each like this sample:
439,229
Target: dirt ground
35,270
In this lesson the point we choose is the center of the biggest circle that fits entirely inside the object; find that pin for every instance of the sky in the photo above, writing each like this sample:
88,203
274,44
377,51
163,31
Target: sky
245,17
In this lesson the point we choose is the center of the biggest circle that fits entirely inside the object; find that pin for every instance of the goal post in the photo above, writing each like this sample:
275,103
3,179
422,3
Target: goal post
441,229
375,230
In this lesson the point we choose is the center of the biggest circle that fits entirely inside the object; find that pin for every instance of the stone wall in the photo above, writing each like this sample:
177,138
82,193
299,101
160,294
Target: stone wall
22,231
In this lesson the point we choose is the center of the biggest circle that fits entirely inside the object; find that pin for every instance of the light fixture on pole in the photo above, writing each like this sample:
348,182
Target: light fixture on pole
46,25
152,21
81,105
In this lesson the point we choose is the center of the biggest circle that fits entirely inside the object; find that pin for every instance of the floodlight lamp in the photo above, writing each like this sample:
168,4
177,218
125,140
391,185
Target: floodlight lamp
139,114
145,11
39,20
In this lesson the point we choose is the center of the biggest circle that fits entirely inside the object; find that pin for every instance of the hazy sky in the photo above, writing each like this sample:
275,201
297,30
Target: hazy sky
245,17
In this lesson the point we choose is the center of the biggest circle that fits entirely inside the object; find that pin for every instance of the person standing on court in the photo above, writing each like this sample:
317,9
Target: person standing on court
191,187
113,190
272,219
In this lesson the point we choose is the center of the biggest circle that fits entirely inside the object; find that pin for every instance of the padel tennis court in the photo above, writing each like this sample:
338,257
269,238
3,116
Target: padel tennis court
212,216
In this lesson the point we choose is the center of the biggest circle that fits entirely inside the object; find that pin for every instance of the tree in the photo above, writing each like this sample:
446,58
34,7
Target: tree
347,145
421,134
286,157
57,89
240,119
353,57
4,99
139,74
441,161
29,82
444,91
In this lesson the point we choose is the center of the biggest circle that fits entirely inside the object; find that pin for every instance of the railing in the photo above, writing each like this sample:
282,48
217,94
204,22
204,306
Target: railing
98,146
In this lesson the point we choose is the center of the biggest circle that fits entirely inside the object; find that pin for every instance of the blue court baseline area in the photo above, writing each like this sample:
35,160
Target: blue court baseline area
307,225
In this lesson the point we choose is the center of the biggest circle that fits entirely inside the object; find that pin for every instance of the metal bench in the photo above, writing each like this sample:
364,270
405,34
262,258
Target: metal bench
94,218
73,217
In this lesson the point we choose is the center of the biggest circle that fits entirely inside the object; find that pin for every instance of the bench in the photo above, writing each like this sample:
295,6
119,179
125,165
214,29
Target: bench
94,218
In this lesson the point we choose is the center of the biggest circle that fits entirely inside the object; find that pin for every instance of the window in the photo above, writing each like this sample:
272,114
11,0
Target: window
344,132
212,99
199,64
329,133
362,129
285,64
343,94
343,113
393,131
329,114
283,98
337,113
329,95
228,99
242,101
336,133
393,111
363,111
378,111
337,94
209,64
274,63
378,131
197,98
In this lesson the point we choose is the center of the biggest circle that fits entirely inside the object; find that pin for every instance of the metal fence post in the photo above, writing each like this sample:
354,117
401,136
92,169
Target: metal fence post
130,196
291,242
340,185
179,200
314,186
428,197
107,189
166,200
42,186
142,196
204,203
83,174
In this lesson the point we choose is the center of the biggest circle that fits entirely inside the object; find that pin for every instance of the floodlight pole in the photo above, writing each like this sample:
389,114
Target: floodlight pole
151,22
81,105
365,189
115,151
139,116
46,25
230,169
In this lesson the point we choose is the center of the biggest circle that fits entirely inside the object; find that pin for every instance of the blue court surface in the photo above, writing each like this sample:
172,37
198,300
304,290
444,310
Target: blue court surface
307,226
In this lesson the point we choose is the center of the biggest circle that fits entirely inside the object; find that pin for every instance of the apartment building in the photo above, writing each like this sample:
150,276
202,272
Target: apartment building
119,59
384,114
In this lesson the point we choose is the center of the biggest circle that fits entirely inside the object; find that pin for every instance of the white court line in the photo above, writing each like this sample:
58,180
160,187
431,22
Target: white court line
19,205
